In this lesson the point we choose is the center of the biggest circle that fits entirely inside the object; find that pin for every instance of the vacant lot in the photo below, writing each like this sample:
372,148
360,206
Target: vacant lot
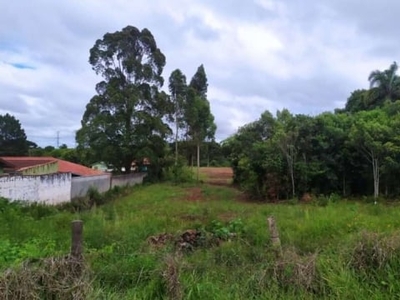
200,242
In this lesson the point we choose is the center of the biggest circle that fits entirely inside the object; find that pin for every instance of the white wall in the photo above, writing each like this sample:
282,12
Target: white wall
50,189
129,179
55,188
80,185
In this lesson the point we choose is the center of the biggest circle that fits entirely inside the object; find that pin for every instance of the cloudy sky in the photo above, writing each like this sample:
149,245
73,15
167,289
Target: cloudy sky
259,55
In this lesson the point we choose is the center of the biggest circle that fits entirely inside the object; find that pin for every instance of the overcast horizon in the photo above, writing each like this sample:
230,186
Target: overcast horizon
258,55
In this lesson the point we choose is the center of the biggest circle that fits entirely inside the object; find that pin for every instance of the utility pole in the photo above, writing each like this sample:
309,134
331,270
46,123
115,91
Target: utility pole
58,139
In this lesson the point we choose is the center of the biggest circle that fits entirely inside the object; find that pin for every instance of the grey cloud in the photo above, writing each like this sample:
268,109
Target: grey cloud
200,29
58,35
238,9
11,103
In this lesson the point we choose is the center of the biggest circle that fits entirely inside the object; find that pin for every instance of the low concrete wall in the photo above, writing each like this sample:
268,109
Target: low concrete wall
129,179
49,189
60,187
80,185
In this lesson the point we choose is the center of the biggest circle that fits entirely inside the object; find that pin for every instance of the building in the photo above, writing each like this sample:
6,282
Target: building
28,165
48,179
53,181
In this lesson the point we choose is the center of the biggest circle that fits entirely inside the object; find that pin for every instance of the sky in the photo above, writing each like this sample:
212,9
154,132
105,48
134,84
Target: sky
307,56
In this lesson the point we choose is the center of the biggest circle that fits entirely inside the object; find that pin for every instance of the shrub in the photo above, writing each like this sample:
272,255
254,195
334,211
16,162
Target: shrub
39,210
227,230
374,252
179,173
293,270
51,278
95,198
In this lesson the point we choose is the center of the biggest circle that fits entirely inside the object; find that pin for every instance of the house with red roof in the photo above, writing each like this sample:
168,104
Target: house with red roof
52,180
28,165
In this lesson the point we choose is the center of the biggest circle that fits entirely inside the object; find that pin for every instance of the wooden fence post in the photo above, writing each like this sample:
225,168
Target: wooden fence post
77,239
274,234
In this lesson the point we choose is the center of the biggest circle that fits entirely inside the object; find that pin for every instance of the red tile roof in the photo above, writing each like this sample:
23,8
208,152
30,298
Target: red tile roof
66,166
22,162
18,163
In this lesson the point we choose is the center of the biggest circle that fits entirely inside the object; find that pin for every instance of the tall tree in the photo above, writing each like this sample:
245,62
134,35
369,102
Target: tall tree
13,140
372,133
178,88
198,116
199,82
127,113
286,138
384,85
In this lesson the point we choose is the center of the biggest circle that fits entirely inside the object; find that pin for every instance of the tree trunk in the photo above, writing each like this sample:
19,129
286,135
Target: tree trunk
176,140
290,161
292,177
198,160
306,175
386,189
375,170
208,155
289,153
344,185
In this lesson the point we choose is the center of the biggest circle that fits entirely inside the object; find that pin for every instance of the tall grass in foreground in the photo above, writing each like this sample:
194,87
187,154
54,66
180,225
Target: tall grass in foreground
343,250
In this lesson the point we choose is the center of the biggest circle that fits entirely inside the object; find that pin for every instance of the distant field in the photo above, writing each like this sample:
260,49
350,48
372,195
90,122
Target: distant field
218,176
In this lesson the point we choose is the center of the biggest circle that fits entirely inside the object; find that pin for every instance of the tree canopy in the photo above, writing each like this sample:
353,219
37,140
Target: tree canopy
13,140
354,151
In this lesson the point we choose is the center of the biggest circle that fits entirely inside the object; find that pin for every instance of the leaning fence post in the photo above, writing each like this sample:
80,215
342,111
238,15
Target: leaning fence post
77,239
274,234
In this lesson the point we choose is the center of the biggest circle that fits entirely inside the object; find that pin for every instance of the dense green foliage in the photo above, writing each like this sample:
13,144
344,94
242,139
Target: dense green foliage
352,152
124,121
13,140
128,119
63,152
340,250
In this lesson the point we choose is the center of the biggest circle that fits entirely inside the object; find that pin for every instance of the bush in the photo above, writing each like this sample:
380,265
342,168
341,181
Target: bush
293,270
50,278
179,173
375,252
95,198
227,230
39,210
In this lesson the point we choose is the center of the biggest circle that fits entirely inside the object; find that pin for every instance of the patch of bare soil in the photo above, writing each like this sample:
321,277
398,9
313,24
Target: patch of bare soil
194,194
227,216
217,176
188,240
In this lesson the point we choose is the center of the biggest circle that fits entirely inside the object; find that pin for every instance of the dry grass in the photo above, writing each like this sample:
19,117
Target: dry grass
64,278
171,277
374,251
296,271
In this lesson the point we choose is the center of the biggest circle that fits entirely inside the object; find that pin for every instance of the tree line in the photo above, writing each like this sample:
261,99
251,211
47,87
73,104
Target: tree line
352,151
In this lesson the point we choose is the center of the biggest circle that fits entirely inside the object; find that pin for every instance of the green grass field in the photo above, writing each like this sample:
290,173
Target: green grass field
343,250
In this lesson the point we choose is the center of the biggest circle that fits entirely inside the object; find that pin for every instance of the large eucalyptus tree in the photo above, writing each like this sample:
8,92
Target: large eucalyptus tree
125,119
